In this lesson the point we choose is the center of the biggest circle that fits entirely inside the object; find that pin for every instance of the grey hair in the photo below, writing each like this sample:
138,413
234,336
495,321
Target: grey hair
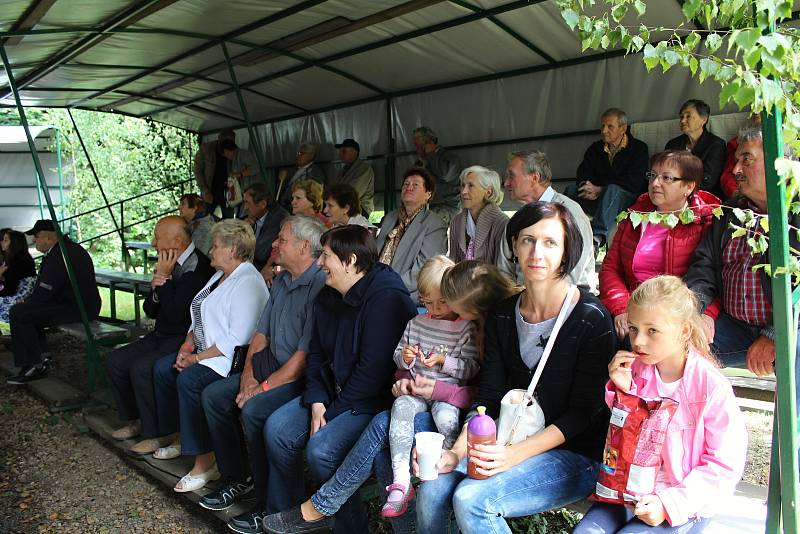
237,234
427,134
622,117
310,147
752,132
535,161
488,179
305,228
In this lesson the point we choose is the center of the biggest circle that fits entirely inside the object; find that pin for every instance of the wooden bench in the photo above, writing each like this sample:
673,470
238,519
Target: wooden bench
104,334
136,283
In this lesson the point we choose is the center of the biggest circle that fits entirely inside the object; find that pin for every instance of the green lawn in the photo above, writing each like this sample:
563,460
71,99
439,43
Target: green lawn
124,303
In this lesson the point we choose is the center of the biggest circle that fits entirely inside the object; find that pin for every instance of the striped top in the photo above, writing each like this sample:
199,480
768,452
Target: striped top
197,301
454,339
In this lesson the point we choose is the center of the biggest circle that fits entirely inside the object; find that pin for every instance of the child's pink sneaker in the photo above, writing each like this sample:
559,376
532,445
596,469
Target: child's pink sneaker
399,507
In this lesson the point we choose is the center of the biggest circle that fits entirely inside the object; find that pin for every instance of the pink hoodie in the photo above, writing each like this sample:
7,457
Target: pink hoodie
705,451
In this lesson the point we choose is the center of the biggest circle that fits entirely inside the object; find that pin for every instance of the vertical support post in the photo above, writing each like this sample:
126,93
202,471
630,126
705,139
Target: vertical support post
60,175
126,256
389,200
250,130
93,356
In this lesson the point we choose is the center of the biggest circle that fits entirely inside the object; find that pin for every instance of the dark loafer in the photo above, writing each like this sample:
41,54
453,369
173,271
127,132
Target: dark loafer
247,523
291,522
229,493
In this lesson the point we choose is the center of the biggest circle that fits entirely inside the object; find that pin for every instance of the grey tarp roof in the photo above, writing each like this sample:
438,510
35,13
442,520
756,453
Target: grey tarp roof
163,59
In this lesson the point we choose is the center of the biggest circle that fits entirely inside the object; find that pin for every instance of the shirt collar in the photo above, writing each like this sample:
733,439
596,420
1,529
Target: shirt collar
305,279
548,195
185,254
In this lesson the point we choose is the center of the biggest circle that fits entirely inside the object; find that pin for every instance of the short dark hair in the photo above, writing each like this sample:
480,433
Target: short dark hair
534,212
425,174
260,192
689,165
344,195
227,144
193,201
352,239
703,109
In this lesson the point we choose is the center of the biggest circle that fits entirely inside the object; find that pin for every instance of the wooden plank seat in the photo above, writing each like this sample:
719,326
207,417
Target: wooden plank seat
104,334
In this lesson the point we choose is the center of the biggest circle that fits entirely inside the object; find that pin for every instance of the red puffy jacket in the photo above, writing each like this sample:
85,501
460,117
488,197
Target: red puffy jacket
617,280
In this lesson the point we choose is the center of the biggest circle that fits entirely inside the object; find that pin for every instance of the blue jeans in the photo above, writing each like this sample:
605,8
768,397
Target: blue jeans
287,435
605,209
178,403
370,451
549,480
607,518
222,416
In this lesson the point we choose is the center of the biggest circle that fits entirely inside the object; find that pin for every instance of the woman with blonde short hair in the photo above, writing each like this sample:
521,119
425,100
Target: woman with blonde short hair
307,200
224,315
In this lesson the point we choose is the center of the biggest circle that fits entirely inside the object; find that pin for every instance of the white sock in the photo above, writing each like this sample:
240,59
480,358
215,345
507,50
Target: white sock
405,480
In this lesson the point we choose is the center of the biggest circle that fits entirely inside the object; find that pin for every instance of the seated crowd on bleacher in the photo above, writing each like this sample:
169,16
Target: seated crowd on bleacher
318,335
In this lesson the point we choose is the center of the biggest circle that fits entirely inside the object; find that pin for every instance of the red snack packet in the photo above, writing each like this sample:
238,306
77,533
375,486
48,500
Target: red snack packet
632,456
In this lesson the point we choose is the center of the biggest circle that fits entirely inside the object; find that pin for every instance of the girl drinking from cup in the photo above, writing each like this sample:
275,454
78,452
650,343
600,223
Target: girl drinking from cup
438,345
706,444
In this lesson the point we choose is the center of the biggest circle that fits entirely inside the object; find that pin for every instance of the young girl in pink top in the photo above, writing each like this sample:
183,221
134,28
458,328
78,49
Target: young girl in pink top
706,445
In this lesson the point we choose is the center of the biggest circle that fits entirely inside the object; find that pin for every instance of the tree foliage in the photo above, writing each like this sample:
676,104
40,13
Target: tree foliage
131,157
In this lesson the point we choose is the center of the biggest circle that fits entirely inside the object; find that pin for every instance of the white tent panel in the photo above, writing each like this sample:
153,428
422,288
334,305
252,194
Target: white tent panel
246,72
216,18
314,88
131,48
85,77
79,13
543,26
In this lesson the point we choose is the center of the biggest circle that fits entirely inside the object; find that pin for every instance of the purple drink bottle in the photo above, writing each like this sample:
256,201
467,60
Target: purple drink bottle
481,429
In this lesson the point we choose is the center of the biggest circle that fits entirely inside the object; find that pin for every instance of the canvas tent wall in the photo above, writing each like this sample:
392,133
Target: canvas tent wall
20,198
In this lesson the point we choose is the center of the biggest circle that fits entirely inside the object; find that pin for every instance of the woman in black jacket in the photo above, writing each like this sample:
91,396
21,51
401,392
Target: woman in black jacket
557,465
17,271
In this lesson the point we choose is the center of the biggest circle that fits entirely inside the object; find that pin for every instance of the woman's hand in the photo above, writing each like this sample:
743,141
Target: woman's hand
650,509
317,417
619,370
621,325
447,462
490,460
402,387
184,360
422,386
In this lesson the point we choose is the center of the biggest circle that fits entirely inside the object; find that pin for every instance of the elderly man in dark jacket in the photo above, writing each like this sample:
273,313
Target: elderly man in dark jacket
181,271
52,301
722,268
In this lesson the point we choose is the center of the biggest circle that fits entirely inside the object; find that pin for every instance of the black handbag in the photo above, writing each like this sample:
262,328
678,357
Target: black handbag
239,357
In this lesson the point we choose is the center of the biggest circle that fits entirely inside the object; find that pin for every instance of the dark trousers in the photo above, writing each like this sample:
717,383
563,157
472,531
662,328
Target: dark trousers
606,518
130,372
178,403
219,405
27,320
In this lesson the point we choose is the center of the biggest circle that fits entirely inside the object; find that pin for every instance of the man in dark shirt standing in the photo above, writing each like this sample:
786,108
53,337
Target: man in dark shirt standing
611,175
52,301
181,271
445,167
211,172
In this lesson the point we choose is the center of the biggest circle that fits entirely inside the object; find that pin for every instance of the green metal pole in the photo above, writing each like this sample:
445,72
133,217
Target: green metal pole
389,199
250,130
784,325
91,349
774,492
60,174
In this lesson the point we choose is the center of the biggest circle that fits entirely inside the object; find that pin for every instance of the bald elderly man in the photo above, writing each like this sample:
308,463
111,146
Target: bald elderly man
181,271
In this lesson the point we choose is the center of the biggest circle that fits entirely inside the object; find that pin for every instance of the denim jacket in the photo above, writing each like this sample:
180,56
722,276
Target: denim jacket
706,446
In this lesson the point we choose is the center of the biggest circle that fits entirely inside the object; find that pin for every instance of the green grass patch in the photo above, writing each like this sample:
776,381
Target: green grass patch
124,304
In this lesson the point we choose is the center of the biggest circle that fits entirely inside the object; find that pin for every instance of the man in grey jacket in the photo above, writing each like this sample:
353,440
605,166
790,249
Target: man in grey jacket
356,173
445,167
528,178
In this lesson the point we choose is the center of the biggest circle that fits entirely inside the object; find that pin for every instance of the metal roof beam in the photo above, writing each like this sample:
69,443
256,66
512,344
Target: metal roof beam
280,15
503,26
305,38
366,48
29,19
125,18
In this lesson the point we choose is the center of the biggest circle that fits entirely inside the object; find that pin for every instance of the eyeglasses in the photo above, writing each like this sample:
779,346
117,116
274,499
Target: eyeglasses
665,178
413,185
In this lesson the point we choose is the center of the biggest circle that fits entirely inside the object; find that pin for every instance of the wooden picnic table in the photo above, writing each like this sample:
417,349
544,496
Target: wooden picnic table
144,246
136,283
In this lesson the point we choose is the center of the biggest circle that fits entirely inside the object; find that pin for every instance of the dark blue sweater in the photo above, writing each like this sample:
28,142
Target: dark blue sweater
350,365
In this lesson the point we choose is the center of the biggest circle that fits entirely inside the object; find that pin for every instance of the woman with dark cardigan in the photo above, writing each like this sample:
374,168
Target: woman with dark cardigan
358,320
557,465
696,138
17,271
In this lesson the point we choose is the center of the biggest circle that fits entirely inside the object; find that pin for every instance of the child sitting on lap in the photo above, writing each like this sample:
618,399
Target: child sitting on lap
437,345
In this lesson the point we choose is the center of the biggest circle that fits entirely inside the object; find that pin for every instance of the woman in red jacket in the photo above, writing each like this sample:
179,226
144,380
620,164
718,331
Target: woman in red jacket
647,250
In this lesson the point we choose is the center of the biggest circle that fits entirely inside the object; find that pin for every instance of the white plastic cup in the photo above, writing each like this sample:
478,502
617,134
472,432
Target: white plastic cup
429,450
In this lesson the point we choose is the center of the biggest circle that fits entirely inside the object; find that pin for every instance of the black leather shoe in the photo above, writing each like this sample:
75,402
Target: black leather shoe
247,523
291,522
28,374
228,494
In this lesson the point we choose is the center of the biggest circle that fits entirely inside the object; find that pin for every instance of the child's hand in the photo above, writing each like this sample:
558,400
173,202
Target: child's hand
619,370
409,353
432,359
650,509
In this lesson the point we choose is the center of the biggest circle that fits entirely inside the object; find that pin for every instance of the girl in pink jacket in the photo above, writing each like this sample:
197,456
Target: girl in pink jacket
706,446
